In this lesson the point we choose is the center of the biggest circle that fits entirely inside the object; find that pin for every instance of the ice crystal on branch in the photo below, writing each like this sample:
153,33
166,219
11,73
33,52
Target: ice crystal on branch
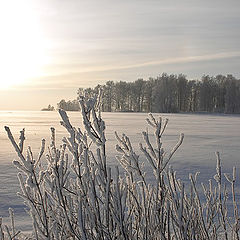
72,193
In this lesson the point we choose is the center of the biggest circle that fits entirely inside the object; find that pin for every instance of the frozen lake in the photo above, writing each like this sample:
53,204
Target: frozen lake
204,135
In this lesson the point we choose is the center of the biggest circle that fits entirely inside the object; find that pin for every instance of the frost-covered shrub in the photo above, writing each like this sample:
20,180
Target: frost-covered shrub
71,193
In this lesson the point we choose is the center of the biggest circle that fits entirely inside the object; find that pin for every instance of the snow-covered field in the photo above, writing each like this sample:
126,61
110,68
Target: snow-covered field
204,135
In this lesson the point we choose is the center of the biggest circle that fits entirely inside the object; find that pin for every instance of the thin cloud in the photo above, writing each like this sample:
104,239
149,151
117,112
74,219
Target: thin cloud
209,57
167,61
70,77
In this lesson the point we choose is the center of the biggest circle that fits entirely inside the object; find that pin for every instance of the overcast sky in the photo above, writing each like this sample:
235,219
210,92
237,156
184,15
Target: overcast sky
55,47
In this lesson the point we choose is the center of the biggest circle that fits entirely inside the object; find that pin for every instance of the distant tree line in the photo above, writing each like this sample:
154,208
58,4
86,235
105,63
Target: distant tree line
69,105
167,93
48,108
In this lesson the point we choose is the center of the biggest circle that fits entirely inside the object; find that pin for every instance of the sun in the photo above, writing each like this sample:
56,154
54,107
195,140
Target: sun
22,44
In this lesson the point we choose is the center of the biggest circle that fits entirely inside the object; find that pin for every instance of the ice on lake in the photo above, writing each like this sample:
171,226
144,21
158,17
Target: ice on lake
204,135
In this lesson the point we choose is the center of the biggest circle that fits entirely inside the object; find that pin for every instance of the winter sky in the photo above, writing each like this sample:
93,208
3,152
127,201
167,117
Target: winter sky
48,49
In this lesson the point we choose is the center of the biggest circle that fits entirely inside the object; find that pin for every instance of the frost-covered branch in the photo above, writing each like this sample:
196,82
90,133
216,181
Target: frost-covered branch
72,193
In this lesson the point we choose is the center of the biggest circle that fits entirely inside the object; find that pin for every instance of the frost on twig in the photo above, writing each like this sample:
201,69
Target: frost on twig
72,193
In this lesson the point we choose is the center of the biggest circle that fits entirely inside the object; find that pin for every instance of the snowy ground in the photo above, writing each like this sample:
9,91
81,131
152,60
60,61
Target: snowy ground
204,135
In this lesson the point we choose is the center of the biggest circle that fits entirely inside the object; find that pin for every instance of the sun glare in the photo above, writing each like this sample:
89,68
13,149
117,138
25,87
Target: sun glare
22,45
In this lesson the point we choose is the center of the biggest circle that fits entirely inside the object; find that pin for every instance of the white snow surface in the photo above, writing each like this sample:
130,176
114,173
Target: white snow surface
204,135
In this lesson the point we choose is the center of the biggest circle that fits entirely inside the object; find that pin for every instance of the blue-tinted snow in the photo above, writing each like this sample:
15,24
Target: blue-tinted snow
204,135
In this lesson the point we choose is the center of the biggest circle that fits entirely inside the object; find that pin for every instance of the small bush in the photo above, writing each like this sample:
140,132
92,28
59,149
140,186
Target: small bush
82,198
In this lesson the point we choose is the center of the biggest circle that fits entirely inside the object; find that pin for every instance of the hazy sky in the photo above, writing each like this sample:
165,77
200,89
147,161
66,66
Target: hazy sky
50,48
